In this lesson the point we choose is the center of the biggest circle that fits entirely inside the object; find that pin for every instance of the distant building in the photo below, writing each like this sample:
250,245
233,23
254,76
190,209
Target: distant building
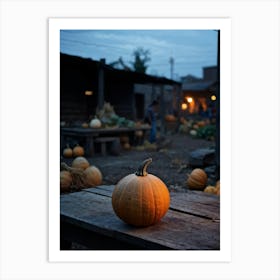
200,93
82,90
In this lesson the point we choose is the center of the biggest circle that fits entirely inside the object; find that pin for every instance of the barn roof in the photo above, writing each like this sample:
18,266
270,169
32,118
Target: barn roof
198,86
132,76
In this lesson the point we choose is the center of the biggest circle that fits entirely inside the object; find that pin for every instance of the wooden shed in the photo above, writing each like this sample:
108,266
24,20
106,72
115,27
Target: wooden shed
85,84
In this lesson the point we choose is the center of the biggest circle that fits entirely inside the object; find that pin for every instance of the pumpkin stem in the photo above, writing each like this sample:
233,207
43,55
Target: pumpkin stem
142,169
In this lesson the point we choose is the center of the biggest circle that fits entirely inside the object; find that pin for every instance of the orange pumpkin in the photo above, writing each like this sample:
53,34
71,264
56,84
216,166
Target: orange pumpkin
210,189
93,176
80,162
170,118
141,199
197,180
65,181
67,152
218,187
78,151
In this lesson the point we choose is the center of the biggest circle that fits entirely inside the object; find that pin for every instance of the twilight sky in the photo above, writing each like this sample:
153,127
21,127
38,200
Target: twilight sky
191,49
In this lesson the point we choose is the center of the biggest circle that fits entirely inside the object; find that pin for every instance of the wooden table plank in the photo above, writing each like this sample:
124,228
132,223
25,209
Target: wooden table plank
91,209
193,202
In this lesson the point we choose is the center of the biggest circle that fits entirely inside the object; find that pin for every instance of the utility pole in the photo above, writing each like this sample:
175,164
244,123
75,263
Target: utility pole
171,61
101,83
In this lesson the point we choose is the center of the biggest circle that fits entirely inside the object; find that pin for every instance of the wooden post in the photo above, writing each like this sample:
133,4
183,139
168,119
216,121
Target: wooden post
162,110
101,83
218,112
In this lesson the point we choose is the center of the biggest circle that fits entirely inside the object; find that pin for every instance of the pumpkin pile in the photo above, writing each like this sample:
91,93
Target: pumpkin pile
77,151
79,175
140,199
109,118
197,180
213,189
106,117
198,129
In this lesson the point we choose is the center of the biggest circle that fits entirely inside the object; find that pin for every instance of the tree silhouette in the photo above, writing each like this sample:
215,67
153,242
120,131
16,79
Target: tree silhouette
141,57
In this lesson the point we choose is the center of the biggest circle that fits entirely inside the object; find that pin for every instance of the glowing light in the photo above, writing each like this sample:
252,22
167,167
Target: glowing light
213,97
88,92
184,106
189,99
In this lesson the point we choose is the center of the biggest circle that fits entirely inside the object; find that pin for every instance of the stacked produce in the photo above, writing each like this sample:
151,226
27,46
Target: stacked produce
198,179
198,129
81,174
107,118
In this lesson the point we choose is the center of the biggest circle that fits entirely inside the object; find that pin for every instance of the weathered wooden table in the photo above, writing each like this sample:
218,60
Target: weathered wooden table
191,223
88,135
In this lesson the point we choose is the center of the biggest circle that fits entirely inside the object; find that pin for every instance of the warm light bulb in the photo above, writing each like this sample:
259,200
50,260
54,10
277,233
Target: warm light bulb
184,106
213,97
88,92
189,99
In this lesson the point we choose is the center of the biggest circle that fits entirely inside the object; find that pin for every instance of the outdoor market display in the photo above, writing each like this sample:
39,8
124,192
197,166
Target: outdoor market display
108,118
204,129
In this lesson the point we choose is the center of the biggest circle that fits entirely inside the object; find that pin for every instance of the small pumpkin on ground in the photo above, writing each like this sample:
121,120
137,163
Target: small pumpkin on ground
197,180
78,151
65,181
80,162
218,187
210,189
141,199
93,176
67,152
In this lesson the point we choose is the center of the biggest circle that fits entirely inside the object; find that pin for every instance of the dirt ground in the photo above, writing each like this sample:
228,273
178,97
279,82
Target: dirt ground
170,164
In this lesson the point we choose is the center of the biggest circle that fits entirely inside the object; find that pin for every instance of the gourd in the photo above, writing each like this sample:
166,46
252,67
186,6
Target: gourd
65,181
210,189
80,162
193,132
93,176
197,180
78,151
67,152
95,123
139,133
141,199
218,187
126,146
85,125
170,118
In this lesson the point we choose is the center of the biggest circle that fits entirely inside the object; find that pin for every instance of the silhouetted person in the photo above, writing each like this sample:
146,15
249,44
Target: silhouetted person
151,119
